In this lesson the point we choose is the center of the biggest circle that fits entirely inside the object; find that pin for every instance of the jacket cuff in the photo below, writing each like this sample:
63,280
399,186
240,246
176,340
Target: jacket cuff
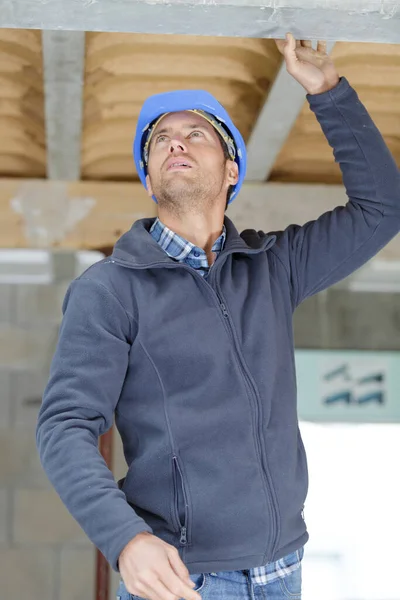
343,87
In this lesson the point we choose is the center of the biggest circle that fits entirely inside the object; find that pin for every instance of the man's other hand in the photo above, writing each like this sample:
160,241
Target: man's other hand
153,569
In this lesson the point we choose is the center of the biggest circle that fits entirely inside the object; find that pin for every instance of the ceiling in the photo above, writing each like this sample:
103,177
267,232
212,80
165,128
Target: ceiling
122,69
22,122
69,103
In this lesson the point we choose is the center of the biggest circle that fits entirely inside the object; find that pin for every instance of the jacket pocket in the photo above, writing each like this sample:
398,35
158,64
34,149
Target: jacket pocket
181,508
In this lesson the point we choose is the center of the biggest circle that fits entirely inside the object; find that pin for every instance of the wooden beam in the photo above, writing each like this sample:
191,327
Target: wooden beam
117,206
267,206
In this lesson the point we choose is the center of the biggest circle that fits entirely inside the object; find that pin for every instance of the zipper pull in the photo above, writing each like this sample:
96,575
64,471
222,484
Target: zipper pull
224,311
183,539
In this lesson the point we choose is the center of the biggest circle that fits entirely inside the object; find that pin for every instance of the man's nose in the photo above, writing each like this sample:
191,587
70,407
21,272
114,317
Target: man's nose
177,144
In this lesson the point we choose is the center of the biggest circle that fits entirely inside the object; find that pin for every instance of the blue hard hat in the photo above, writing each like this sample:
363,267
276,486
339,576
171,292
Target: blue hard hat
198,101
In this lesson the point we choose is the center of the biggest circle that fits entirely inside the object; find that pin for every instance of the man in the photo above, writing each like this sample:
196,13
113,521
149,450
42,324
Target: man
185,335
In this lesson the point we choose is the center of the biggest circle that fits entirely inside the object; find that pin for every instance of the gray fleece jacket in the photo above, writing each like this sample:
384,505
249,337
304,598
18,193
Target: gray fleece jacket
200,374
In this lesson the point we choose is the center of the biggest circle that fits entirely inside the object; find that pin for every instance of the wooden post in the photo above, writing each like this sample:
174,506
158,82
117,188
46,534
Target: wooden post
102,566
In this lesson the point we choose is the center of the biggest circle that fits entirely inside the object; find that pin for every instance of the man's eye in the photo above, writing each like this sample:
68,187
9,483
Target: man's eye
160,138
193,132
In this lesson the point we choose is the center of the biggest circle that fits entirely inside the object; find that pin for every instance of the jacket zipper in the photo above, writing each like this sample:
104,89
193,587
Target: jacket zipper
249,384
183,528
253,394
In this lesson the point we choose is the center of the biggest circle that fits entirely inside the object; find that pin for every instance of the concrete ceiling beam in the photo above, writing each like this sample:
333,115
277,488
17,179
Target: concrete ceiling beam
274,124
63,60
345,20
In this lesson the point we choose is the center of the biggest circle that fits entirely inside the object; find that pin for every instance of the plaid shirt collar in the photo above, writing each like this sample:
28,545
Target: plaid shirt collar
182,250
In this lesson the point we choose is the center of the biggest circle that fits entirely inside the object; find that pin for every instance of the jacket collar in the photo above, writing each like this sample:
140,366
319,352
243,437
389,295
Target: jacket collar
138,248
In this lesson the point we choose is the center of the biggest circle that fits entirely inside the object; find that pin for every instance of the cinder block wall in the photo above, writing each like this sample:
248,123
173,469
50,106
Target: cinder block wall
44,554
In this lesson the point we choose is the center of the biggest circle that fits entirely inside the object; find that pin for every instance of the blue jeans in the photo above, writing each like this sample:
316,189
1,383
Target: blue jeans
236,585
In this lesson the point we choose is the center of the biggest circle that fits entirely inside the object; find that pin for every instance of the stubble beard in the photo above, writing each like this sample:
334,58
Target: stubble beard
181,198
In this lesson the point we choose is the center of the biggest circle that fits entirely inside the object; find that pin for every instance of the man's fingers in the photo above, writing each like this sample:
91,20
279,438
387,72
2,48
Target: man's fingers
289,50
164,585
158,591
280,45
290,44
179,567
177,587
321,45
153,590
283,43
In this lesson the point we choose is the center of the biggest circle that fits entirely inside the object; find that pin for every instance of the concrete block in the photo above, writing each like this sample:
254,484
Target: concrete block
62,287
7,302
306,324
26,573
29,349
41,518
5,399
37,304
19,460
77,579
28,388
339,319
364,321
4,517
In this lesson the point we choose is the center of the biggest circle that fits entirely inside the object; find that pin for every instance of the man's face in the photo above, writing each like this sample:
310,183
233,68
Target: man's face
187,171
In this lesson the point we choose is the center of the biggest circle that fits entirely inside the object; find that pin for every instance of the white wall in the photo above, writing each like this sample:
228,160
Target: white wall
352,512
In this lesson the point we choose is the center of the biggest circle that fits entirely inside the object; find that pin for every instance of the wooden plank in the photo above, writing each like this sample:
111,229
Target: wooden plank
117,206
267,206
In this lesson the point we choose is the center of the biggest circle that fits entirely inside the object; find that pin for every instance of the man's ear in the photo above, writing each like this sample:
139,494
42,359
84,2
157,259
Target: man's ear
233,172
149,189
